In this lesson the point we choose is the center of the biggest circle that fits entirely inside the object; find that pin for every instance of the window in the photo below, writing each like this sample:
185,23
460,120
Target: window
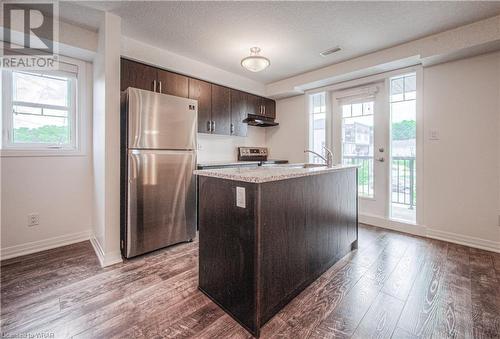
317,126
40,111
403,106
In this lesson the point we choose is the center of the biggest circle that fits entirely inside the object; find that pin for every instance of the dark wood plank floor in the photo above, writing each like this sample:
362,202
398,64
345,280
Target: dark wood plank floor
394,285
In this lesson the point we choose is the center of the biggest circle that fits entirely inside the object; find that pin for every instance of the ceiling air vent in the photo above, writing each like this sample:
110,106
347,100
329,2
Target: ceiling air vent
330,51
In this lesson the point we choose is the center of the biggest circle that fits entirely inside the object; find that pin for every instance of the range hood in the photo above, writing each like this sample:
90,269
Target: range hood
260,121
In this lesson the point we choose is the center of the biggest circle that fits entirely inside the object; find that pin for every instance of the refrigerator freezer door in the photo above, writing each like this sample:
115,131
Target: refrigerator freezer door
161,121
161,208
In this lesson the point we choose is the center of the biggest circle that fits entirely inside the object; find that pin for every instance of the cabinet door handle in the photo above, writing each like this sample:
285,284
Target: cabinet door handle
160,86
154,85
213,126
264,109
232,129
209,126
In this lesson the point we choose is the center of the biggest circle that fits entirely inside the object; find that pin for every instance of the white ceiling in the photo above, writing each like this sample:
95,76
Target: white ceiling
291,34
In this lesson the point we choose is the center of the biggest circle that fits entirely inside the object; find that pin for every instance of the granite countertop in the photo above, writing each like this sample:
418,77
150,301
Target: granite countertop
228,163
266,174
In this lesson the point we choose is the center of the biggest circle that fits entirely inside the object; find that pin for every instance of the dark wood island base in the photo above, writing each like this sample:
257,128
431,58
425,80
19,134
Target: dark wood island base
255,259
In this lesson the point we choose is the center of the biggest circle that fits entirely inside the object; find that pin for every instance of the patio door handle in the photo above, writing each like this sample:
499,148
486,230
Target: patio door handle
381,159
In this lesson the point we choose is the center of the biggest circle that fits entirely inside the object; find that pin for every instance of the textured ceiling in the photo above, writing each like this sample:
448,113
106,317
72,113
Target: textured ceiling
291,34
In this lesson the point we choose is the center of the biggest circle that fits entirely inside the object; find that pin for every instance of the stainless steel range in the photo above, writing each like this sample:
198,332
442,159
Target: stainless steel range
252,154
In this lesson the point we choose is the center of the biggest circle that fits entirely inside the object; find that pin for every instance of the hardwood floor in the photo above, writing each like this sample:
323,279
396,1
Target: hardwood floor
394,285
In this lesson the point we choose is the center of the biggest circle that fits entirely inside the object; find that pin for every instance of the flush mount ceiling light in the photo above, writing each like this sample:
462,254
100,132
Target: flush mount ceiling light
255,62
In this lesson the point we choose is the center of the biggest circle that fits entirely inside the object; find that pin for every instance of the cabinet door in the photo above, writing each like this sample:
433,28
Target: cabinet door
221,110
270,108
135,74
238,112
254,104
172,83
202,91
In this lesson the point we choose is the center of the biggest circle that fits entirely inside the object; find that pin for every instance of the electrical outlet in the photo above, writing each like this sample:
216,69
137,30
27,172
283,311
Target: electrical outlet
33,219
240,197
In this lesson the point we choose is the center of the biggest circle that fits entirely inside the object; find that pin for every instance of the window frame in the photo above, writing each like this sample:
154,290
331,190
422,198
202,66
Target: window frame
310,156
72,68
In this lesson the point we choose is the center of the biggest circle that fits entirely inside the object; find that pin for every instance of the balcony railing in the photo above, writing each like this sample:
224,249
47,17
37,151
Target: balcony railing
403,178
365,173
403,181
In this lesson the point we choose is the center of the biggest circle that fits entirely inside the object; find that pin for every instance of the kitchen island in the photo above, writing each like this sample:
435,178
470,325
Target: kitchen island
267,233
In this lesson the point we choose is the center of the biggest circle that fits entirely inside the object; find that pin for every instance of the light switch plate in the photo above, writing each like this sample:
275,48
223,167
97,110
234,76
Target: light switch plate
433,134
240,197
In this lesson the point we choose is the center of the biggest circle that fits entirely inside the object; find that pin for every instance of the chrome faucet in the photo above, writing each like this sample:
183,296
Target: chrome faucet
329,156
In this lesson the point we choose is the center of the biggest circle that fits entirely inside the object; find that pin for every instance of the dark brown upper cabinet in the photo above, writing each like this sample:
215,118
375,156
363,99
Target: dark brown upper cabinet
253,104
138,75
172,83
221,110
135,74
269,107
202,91
238,112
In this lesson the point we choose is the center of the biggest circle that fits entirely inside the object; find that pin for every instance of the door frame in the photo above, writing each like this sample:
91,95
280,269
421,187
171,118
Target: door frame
377,220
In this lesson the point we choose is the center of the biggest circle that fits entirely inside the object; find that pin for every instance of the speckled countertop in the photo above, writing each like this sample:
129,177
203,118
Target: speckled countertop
265,174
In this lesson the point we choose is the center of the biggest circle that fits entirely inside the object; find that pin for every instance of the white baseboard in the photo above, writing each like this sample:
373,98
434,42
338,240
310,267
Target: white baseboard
392,225
466,240
105,259
42,245
428,232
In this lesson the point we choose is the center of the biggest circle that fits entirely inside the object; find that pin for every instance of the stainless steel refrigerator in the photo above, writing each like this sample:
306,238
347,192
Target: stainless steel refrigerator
158,156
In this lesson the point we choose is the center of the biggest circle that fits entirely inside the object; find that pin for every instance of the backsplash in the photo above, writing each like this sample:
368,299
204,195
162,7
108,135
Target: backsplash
216,148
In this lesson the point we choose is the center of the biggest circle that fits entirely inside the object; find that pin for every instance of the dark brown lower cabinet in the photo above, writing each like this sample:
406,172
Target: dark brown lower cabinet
254,260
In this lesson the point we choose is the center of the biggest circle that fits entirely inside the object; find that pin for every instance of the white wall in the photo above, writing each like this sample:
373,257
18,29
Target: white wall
289,140
462,169
58,188
106,142
472,39
220,148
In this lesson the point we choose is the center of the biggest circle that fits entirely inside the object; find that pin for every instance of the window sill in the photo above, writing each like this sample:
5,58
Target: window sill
5,153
